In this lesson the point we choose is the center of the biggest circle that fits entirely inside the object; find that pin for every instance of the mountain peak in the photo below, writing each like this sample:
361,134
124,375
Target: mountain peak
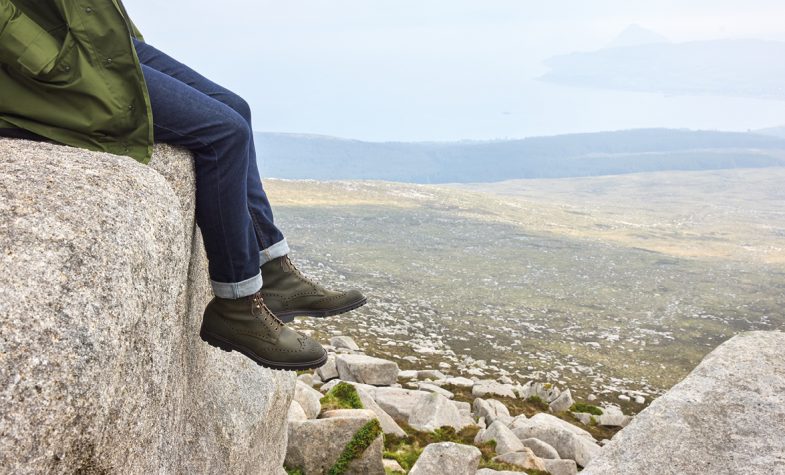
635,35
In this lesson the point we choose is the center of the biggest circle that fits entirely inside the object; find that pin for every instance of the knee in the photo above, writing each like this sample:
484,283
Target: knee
237,127
240,106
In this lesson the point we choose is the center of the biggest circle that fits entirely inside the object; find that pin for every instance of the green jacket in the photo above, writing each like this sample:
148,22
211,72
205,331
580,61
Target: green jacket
69,72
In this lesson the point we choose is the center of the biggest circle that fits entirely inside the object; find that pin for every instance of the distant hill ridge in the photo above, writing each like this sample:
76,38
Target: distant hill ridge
304,156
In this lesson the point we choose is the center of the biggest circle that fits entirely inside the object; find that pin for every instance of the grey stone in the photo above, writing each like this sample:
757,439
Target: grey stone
506,441
560,467
726,416
306,378
612,416
464,408
389,426
570,442
361,413
104,282
447,458
296,413
367,369
488,471
545,391
492,388
430,374
459,381
434,411
335,382
393,466
407,374
524,458
344,342
315,445
584,417
432,388
308,398
492,410
540,448
562,402
399,403
640,400
328,371
550,420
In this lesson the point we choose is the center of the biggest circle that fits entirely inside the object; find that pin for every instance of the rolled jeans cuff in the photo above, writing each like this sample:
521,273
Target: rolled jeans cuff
235,290
279,249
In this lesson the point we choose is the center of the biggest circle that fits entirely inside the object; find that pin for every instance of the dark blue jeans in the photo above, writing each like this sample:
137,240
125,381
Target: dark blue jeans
232,209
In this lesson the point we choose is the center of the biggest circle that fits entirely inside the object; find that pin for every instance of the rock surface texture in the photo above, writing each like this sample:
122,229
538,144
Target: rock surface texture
315,445
104,280
726,416
447,458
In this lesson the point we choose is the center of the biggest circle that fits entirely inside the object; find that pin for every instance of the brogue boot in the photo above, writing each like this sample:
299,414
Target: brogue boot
288,293
247,325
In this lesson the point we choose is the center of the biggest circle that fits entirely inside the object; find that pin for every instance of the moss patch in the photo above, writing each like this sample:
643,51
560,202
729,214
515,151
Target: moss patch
537,402
293,471
362,440
341,396
587,408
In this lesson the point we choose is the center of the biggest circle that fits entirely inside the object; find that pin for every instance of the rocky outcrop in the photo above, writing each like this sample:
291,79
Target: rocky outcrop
104,280
726,416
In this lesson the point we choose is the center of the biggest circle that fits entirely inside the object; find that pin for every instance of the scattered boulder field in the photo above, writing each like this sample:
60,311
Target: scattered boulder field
360,414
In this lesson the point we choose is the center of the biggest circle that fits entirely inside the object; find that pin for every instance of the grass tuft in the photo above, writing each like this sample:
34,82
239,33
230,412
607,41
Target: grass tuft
361,440
341,396
537,402
587,408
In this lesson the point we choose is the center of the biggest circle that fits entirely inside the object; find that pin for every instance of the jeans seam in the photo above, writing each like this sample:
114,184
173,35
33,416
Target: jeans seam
217,185
258,229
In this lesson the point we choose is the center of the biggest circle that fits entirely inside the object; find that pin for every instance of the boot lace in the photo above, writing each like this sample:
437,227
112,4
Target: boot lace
258,302
288,263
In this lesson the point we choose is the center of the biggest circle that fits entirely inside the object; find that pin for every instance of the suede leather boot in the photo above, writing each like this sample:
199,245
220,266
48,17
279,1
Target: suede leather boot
248,326
288,293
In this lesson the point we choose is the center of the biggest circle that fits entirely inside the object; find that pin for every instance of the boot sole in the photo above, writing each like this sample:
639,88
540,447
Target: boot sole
289,315
225,345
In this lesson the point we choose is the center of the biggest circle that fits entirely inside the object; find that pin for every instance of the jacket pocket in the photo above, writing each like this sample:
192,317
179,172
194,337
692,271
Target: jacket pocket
65,64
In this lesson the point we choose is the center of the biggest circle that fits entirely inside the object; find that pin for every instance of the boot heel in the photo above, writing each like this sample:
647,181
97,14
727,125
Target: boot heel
212,341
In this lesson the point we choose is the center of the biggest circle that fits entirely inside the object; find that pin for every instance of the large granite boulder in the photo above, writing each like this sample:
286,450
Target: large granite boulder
726,416
315,445
104,281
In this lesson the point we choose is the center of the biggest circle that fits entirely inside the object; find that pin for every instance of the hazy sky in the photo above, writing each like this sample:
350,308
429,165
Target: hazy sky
442,70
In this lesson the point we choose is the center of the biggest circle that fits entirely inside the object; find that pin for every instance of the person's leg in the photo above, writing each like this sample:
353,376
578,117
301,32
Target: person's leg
270,239
218,137
286,291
